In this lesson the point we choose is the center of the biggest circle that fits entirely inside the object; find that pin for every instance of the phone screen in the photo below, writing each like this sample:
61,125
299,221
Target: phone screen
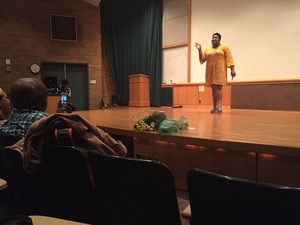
63,100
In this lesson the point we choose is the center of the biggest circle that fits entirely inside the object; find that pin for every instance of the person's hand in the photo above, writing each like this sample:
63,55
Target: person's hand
198,46
68,108
233,74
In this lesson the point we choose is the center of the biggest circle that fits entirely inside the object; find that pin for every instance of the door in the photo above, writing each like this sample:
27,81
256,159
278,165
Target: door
76,74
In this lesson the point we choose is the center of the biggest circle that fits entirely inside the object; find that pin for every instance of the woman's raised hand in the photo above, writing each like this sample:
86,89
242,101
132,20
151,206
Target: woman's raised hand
198,46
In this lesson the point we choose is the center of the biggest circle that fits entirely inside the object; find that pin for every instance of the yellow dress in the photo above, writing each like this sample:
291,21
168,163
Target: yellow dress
217,61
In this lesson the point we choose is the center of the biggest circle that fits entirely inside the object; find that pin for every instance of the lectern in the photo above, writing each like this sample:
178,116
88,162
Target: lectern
52,103
139,92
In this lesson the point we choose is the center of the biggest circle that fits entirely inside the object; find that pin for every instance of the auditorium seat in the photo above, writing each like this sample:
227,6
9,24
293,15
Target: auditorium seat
7,203
61,187
217,199
22,186
5,140
66,183
133,191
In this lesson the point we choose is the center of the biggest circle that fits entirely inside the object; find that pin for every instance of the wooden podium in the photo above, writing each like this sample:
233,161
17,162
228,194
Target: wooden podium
139,92
52,103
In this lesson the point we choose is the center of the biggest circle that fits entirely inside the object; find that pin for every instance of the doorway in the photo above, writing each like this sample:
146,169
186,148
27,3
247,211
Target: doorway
76,74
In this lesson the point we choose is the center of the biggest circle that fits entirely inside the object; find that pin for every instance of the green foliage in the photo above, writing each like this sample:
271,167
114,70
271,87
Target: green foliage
155,117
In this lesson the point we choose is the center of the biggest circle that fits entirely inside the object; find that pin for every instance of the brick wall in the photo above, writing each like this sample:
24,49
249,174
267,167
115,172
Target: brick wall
25,39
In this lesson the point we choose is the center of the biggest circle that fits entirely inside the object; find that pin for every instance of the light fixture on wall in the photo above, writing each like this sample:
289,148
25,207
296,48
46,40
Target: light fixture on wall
7,65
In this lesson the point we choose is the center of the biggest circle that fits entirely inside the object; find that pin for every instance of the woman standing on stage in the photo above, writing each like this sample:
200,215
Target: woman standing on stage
218,58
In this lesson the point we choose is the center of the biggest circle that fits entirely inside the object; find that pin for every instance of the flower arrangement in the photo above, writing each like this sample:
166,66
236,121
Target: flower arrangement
158,121
150,122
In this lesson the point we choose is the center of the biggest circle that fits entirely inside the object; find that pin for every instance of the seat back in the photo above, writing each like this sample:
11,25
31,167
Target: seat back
65,180
134,191
218,199
5,140
23,187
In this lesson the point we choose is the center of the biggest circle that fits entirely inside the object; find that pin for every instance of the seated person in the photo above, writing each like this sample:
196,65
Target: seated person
29,101
63,88
5,110
4,105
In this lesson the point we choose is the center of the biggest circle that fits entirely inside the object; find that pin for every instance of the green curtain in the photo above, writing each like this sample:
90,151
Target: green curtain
133,34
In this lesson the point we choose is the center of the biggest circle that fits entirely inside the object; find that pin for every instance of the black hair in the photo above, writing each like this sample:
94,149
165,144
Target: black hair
29,93
218,34
64,82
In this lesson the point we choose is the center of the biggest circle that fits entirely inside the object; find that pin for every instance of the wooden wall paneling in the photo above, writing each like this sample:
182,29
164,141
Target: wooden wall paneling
185,95
226,101
266,96
276,169
249,96
143,148
206,96
180,158
284,96
191,95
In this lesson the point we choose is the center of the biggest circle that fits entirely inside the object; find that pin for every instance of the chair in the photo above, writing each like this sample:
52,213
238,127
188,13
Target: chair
65,180
7,198
5,140
60,188
24,187
133,191
7,203
218,199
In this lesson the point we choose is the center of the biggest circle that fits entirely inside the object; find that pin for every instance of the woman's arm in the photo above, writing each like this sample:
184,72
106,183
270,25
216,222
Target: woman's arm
198,46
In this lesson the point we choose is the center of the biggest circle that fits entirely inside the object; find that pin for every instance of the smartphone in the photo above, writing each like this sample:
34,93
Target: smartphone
63,100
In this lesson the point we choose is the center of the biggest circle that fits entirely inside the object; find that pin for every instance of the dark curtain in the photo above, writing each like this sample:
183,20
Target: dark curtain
133,34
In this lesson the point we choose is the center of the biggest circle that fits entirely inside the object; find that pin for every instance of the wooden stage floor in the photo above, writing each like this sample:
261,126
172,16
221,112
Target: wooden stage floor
262,130
259,145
